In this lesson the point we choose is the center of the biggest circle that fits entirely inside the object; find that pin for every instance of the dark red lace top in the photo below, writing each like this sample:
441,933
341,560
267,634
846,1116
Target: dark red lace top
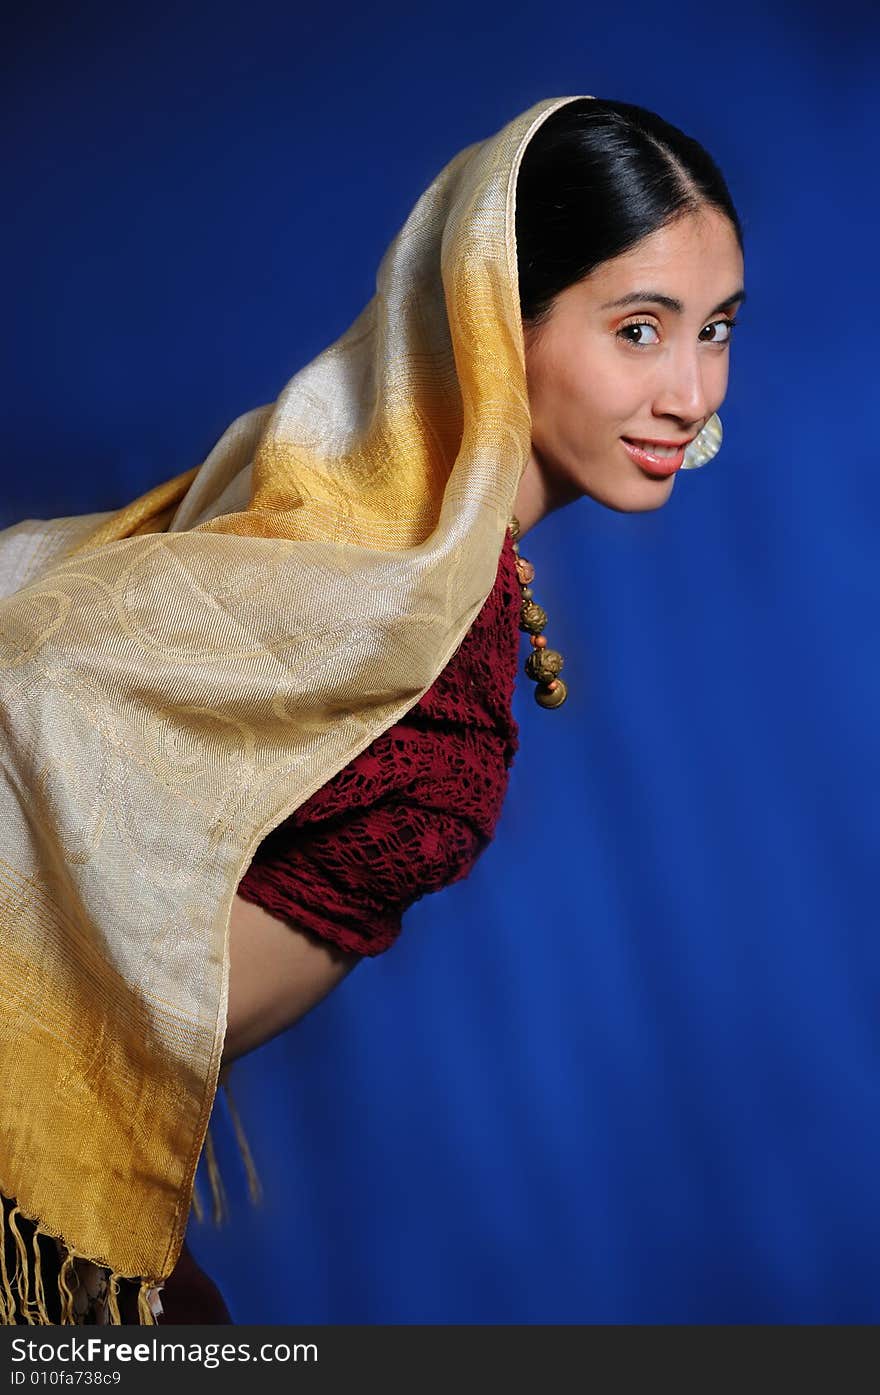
412,813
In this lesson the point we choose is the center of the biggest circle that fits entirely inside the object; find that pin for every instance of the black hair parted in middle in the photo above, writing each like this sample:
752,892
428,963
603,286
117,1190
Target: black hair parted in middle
596,177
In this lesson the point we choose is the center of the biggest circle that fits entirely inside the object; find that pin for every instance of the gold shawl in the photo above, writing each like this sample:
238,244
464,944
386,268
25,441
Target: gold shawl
180,675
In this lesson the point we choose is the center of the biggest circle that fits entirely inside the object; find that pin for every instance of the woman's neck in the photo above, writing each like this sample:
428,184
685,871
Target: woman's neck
535,498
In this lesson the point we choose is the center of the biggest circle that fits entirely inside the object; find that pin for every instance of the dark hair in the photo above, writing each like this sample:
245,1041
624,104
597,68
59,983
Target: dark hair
596,177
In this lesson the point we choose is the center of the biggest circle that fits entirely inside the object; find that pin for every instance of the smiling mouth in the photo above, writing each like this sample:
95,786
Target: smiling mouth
661,458
658,448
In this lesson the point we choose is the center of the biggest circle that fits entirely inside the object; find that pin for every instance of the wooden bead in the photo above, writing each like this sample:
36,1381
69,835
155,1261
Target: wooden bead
538,641
543,665
532,618
525,571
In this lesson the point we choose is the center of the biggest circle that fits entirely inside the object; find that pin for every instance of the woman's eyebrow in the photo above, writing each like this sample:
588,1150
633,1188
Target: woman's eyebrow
669,302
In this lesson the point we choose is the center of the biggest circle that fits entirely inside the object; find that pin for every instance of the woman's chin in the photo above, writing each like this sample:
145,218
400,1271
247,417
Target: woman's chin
635,496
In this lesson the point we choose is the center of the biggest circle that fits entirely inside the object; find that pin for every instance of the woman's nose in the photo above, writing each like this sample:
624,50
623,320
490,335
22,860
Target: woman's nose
683,394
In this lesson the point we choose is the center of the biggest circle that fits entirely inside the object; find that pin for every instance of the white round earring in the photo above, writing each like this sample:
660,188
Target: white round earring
705,446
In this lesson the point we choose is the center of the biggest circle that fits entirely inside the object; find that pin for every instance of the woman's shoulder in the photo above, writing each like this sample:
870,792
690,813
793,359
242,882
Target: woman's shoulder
413,811
461,736
476,687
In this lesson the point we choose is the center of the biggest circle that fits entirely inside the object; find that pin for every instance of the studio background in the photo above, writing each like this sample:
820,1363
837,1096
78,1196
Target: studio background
627,1072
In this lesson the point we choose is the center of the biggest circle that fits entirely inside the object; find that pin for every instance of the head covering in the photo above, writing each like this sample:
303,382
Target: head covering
180,675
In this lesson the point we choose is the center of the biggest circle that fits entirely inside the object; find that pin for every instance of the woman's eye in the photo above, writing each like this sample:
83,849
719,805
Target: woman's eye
638,333
719,324
637,328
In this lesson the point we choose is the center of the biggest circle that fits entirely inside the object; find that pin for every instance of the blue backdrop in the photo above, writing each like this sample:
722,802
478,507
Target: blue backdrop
629,1071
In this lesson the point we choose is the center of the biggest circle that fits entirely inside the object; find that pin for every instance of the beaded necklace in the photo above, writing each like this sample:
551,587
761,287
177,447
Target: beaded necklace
543,665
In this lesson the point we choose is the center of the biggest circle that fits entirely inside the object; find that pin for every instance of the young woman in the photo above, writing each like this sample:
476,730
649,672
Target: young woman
597,371
630,268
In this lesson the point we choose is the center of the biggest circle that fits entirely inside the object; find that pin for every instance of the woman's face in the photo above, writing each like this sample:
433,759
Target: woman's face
601,373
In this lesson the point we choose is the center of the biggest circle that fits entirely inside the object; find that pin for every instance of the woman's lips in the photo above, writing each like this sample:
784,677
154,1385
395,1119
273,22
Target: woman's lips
654,464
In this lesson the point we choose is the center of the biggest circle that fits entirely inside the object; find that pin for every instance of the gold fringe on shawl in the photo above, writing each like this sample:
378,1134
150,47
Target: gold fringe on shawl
27,1303
178,676
104,1306
220,1210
